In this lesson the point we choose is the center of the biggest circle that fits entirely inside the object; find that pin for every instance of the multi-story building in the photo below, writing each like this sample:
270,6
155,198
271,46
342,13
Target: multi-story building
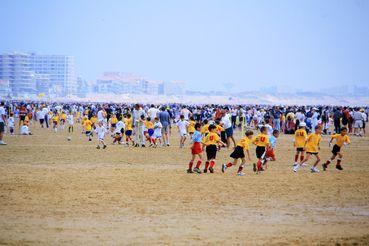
24,70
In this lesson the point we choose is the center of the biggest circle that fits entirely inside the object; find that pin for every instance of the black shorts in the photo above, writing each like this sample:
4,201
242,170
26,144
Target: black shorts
2,127
312,153
300,149
211,152
260,150
238,153
22,117
113,125
122,130
88,133
336,149
42,121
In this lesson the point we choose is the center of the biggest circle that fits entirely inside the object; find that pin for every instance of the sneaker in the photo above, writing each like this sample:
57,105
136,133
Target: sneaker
339,167
314,170
240,174
98,147
304,165
211,170
296,168
168,144
104,147
143,146
205,170
189,171
2,143
224,167
295,164
254,167
90,140
196,170
324,166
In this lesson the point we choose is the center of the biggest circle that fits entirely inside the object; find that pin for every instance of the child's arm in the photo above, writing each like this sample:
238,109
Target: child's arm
248,155
330,142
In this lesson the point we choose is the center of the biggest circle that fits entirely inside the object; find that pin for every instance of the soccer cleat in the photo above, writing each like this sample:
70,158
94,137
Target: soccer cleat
143,146
196,170
98,147
224,167
104,147
205,170
254,167
240,174
324,166
339,167
304,165
295,164
211,170
314,170
168,144
296,168
189,171
90,140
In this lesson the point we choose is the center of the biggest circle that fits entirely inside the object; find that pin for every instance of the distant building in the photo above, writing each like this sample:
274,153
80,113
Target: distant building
27,73
172,88
4,88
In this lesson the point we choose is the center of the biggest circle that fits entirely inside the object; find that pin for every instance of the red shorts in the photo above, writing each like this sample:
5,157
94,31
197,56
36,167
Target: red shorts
270,153
196,148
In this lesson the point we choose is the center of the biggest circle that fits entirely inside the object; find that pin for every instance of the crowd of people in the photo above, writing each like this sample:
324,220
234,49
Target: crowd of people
208,128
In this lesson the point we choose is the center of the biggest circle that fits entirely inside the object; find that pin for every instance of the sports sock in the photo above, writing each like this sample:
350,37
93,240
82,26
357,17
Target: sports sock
302,157
339,161
328,162
296,158
206,165
212,163
190,165
240,168
198,164
229,164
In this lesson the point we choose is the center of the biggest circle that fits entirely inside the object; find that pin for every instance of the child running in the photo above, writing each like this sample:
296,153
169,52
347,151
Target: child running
312,148
157,132
239,153
101,131
270,153
299,142
262,142
182,125
211,141
70,122
341,139
87,124
196,149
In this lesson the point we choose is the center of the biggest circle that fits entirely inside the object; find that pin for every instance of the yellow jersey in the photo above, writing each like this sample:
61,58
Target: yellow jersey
128,123
244,143
205,129
219,128
211,139
93,119
312,143
113,120
340,140
55,118
63,116
191,126
149,125
261,140
300,138
88,125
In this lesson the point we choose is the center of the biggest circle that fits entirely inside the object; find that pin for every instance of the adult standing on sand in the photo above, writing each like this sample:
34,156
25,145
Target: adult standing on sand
164,118
2,123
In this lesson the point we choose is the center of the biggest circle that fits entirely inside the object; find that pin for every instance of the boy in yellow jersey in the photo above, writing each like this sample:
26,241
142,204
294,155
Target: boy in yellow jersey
262,142
341,139
87,124
94,121
63,119
149,132
113,122
211,141
55,120
128,123
205,128
299,142
312,148
191,126
239,153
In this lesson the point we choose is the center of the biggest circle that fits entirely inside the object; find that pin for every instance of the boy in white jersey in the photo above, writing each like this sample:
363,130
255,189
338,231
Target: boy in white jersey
157,131
70,121
182,125
101,131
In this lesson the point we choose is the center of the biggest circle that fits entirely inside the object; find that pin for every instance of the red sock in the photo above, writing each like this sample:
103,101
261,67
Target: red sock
212,163
229,164
153,141
190,165
338,162
259,165
296,158
301,157
198,164
206,165
240,168
328,162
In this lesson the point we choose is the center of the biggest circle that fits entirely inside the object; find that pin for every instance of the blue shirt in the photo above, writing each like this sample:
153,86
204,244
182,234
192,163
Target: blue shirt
272,141
196,137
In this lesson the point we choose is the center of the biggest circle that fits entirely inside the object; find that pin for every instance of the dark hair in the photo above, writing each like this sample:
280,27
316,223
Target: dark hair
318,127
181,116
211,127
192,118
148,119
197,125
275,131
263,128
205,121
249,133
343,129
217,122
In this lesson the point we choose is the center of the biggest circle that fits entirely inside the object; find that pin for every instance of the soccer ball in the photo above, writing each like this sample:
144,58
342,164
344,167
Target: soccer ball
69,138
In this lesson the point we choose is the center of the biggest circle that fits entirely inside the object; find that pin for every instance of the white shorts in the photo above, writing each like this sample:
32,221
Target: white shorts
183,134
358,124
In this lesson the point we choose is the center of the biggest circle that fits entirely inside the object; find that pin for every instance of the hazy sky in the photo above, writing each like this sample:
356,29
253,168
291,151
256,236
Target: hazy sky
250,44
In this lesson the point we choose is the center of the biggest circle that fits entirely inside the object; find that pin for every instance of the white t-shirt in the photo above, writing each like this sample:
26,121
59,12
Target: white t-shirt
24,130
182,126
153,112
11,122
101,131
157,129
119,126
2,112
186,113
100,116
226,122
70,119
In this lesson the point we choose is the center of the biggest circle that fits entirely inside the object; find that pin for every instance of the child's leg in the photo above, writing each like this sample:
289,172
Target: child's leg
191,162
317,160
306,159
229,164
330,160
302,155
240,168
297,156
339,159
198,164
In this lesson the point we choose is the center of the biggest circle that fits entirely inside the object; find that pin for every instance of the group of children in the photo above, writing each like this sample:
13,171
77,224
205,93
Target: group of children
265,143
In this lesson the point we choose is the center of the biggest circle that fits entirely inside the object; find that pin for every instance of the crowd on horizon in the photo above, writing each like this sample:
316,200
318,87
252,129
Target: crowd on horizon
139,125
